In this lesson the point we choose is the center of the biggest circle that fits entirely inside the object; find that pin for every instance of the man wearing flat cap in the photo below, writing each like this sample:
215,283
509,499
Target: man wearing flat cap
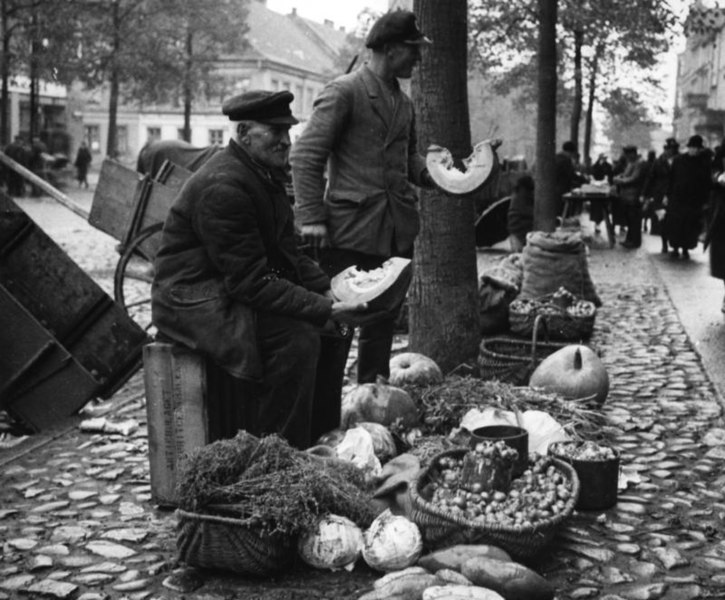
362,136
629,189
229,281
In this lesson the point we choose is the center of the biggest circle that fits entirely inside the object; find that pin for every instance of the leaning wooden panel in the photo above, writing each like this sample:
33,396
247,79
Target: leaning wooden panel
114,198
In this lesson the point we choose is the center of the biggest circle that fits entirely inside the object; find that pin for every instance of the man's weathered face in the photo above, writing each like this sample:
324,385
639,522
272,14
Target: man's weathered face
402,58
268,144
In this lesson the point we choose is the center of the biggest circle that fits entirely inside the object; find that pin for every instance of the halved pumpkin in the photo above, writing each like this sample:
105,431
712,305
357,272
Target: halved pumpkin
383,288
478,167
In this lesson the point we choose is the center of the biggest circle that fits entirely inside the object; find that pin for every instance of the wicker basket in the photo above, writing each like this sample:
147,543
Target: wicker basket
213,542
561,325
440,528
512,360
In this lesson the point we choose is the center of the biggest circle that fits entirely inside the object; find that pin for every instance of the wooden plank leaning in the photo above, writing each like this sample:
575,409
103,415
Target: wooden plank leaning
53,192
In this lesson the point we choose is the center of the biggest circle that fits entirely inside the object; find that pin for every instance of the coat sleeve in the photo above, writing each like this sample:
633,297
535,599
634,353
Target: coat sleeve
312,149
226,222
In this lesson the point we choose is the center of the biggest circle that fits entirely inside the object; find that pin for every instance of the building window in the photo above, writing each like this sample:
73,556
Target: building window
180,133
299,99
122,139
153,134
216,137
92,135
310,98
275,85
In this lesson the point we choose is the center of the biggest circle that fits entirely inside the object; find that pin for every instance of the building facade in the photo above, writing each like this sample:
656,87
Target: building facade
700,92
286,52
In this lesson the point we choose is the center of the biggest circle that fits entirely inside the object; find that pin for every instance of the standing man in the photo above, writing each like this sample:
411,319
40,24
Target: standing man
566,172
361,135
655,188
629,187
82,162
18,151
229,281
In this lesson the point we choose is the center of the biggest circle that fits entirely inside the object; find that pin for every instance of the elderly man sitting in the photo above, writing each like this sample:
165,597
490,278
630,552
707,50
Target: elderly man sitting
230,282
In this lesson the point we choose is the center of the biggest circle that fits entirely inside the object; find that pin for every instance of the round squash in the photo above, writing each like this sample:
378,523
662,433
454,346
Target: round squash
574,372
378,403
413,368
478,167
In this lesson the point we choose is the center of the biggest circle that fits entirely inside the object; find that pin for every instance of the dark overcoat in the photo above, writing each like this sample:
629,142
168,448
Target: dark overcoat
368,149
228,252
687,194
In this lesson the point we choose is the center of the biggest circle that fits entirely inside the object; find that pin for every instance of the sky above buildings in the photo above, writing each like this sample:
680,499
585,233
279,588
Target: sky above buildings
343,13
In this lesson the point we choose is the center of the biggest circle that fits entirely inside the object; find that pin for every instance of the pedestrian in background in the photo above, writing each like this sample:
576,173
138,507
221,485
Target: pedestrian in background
362,136
629,187
601,171
82,162
687,193
655,189
38,153
20,153
520,218
565,169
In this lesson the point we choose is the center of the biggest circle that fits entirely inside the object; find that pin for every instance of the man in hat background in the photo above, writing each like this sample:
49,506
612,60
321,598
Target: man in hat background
362,137
687,193
655,189
230,283
629,188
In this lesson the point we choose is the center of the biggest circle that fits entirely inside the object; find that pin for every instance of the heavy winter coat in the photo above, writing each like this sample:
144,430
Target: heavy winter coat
229,251
369,150
687,194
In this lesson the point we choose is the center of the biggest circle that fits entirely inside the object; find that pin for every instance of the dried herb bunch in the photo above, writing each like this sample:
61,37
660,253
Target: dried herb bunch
269,484
442,406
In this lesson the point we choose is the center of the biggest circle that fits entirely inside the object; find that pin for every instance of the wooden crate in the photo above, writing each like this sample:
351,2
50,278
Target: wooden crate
175,383
65,339
114,198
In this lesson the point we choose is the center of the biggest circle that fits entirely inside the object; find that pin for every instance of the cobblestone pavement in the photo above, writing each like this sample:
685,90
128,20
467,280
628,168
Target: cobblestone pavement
76,519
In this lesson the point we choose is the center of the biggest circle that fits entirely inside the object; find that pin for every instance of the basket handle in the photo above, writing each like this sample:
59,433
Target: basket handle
538,321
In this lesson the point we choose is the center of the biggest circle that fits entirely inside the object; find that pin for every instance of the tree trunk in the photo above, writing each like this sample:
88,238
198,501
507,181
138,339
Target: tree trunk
187,85
590,108
545,204
443,299
112,142
576,113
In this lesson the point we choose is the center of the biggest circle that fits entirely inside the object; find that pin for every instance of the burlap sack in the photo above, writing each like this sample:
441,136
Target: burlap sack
554,260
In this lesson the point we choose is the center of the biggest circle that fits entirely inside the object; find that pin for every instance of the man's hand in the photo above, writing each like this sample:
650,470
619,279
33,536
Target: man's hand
315,235
341,310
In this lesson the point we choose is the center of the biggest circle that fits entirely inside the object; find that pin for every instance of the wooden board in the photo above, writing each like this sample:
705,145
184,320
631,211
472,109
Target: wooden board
114,198
96,345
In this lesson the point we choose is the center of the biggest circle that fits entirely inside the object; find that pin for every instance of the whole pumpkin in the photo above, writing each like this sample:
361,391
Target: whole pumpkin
378,403
414,368
575,372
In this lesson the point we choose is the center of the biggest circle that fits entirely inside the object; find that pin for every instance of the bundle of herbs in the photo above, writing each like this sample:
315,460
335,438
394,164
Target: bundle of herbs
443,405
270,485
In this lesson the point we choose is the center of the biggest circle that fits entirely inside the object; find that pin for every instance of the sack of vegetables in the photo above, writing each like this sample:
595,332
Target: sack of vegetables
521,520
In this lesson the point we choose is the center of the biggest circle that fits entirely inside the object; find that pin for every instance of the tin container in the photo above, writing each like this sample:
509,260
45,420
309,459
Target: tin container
514,437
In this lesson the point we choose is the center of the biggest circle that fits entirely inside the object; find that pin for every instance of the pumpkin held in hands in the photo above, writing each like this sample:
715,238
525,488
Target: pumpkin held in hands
574,372
414,368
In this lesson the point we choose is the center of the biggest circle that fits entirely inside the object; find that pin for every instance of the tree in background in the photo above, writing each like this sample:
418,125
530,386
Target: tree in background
597,42
443,300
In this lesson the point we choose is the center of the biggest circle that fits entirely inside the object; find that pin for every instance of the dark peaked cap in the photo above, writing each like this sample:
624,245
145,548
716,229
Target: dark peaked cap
397,26
262,106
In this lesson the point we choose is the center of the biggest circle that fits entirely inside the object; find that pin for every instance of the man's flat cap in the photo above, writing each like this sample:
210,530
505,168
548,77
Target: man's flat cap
671,143
261,106
397,26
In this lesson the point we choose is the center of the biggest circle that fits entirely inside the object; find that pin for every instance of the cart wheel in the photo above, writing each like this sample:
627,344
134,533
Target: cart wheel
133,277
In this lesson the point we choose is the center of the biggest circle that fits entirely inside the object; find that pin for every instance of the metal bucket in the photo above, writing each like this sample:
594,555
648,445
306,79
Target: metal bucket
598,480
514,437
